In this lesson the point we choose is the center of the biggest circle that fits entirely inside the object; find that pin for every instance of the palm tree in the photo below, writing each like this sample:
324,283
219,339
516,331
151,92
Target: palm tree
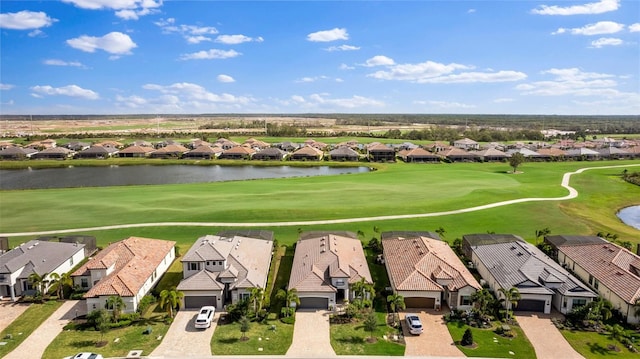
59,282
39,282
170,299
288,296
511,297
361,288
482,299
256,298
396,301
441,231
116,304
542,232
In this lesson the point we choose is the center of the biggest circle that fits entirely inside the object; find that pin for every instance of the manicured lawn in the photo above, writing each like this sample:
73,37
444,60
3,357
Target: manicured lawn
593,345
25,324
492,345
351,339
132,337
227,338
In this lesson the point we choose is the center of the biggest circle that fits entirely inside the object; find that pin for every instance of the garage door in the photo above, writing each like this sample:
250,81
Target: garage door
198,302
314,303
530,305
419,302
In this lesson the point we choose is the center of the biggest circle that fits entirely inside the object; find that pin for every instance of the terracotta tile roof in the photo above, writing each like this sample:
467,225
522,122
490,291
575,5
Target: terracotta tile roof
416,264
240,150
554,152
133,259
319,257
615,267
137,149
308,151
454,151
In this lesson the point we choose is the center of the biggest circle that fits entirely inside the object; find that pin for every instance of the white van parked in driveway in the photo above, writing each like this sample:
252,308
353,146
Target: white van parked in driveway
204,317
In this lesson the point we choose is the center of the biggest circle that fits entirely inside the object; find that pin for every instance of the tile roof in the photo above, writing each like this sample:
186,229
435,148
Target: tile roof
133,260
248,258
417,263
615,267
555,152
320,255
564,240
137,149
39,256
520,264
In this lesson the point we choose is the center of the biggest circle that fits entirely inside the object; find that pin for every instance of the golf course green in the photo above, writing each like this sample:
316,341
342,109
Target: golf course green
394,189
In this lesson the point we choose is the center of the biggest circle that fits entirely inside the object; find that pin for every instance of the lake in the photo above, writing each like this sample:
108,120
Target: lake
154,175
630,216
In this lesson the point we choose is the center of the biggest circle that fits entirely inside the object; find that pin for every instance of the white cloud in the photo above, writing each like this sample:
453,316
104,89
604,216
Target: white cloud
346,67
131,101
339,80
634,27
237,39
379,60
196,94
342,48
503,100
311,79
125,9
351,102
572,81
6,86
211,54
606,41
599,28
328,35
225,78
471,11
599,7
25,20
70,90
444,104
56,62
194,34
297,98
113,43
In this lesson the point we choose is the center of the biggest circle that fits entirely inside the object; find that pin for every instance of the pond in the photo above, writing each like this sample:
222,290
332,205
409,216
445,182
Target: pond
151,175
630,216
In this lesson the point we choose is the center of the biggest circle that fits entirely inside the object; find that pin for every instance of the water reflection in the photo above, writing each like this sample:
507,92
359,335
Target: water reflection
630,216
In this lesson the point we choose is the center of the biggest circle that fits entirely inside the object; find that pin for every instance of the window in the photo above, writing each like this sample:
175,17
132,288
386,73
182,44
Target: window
244,296
579,302
221,263
590,279
84,282
194,266
465,300
208,263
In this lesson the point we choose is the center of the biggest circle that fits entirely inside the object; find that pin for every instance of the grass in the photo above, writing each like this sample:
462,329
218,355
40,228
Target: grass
593,345
74,341
227,338
487,347
26,323
351,339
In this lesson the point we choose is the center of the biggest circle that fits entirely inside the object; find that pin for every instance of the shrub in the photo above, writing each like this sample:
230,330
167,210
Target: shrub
288,320
145,303
76,295
287,312
131,317
467,338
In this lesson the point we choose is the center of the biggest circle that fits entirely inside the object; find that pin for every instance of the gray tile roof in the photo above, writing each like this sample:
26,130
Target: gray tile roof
41,257
522,265
570,240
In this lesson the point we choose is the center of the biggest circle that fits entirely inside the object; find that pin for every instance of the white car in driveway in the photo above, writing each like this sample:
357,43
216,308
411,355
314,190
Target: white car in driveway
205,317
413,324
86,355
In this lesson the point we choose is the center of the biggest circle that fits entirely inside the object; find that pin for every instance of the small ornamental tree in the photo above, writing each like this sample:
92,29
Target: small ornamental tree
516,160
467,338
370,323
244,327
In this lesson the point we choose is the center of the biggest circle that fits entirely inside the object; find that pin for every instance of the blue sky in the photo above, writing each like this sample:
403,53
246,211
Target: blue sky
152,56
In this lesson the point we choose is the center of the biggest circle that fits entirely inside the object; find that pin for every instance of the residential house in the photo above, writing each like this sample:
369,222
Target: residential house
41,257
491,155
612,271
270,154
343,153
378,152
426,271
614,153
325,265
418,155
136,151
205,152
98,152
16,153
169,151
53,153
518,264
222,269
455,154
129,268
582,154
237,153
466,144
77,146
307,153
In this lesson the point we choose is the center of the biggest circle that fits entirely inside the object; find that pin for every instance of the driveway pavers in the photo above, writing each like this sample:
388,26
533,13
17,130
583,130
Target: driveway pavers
10,311
546,339
435,341
311,335
184,340
35,345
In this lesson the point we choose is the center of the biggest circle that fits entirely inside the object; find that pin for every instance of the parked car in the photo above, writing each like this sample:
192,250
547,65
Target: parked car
204,317
86,355
413,323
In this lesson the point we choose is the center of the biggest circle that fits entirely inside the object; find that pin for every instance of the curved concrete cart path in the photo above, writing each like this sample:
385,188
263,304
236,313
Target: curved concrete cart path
35,345
573,193
546,339
311,335
184,340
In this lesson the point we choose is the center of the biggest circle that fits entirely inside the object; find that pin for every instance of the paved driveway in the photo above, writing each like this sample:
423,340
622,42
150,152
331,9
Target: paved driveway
10,311
184,340
39,340
311,336
546,339
435,341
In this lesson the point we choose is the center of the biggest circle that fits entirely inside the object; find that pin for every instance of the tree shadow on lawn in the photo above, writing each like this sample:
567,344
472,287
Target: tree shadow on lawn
351,340
228,340
83,343
596,348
